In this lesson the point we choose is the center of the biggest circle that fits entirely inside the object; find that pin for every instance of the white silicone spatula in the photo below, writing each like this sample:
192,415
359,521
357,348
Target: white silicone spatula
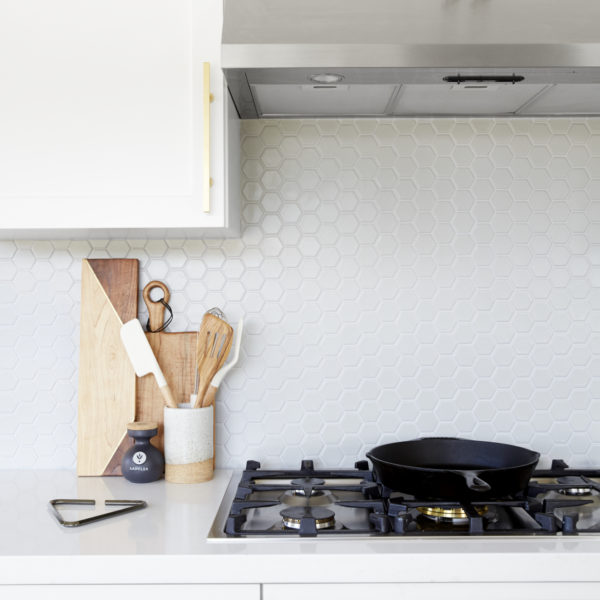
142,358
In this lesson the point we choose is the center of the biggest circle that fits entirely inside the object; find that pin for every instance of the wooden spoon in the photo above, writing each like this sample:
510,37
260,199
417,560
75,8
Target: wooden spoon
214,342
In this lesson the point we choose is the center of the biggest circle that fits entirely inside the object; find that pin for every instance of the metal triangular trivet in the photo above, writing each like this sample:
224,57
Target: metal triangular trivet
130,506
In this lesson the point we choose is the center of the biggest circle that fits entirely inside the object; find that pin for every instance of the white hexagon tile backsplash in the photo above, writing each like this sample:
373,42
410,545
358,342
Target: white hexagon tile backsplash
399,278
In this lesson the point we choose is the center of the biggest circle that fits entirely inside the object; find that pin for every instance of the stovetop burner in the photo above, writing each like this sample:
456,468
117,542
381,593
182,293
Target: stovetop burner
574,486
306,486
322,517
309,502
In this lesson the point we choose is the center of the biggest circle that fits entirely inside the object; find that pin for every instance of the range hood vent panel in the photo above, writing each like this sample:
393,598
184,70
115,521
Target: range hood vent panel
287,100
561,99
464,99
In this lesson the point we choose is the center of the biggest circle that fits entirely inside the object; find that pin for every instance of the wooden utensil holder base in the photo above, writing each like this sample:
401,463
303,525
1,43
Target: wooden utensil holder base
191,473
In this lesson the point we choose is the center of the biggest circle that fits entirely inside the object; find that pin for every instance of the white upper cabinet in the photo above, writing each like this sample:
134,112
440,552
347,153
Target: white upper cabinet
106,121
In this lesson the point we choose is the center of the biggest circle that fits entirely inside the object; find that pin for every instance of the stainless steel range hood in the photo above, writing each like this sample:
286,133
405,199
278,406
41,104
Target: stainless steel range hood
388,58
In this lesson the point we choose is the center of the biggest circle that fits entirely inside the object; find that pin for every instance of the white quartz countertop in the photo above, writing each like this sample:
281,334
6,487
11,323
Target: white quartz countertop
167,543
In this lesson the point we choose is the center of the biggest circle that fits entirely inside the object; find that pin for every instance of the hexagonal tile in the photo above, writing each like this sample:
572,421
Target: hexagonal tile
442,270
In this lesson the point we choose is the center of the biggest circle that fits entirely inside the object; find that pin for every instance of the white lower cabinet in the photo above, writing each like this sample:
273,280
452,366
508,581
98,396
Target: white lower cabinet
434,591
314,591
118,592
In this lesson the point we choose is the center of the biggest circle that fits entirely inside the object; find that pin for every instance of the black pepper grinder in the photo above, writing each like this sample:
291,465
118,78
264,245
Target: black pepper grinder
143,462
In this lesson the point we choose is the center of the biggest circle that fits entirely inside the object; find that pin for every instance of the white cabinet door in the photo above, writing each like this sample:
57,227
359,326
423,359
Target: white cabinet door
126,592
105,119
434,591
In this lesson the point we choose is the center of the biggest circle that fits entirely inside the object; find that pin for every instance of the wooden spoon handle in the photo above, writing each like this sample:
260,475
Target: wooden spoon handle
156,309
209,397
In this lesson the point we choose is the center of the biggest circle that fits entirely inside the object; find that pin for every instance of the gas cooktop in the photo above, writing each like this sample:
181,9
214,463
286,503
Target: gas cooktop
309,502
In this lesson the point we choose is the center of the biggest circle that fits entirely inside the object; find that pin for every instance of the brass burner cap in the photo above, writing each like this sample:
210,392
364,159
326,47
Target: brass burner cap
453,513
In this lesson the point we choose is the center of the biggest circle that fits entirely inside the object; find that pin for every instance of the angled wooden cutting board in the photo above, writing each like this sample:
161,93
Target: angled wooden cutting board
107,382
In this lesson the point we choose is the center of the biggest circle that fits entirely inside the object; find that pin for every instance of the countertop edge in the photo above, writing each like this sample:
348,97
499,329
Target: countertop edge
275,568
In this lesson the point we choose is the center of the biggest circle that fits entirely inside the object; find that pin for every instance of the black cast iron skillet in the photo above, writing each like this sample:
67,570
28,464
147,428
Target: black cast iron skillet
453,468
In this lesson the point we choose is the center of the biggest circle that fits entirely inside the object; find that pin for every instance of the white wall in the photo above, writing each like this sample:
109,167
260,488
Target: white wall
399,279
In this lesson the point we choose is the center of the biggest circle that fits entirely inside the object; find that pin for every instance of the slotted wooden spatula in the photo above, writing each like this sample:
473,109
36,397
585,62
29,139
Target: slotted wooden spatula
214,342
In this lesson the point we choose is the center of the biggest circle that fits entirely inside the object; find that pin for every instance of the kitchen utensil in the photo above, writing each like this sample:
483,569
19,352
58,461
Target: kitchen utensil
209,398
217,312
175,353
214,341
142,358
106,395
211,393
454,468
194,396
130,506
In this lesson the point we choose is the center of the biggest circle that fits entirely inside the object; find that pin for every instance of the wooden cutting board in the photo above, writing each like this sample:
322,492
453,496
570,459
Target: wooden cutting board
107,382
176,355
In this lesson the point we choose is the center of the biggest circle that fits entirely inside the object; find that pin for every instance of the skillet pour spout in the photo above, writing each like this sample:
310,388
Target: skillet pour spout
454,468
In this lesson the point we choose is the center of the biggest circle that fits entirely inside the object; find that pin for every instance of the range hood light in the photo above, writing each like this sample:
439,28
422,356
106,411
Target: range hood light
326,78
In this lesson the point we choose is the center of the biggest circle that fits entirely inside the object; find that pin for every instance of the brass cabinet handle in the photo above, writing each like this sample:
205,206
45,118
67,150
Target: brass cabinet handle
207,99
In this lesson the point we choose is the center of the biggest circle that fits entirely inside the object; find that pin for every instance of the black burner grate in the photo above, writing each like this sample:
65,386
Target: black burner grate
387,513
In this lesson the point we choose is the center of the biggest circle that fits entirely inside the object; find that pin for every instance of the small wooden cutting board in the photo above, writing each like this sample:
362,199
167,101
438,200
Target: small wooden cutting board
176,355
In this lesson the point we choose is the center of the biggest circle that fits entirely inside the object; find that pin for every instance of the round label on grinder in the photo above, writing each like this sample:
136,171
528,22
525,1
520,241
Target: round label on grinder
139,458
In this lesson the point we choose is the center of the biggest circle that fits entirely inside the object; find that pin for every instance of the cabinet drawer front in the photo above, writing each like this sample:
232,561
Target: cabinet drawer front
147,592
433,591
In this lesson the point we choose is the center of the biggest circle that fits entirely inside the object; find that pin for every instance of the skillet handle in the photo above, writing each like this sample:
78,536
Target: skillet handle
474,482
